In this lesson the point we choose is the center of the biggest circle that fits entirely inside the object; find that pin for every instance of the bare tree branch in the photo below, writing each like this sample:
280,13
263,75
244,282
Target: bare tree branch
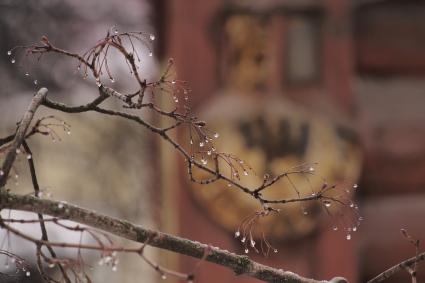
396,268
20,135
6,139
241,265
77,109
408,265
200,150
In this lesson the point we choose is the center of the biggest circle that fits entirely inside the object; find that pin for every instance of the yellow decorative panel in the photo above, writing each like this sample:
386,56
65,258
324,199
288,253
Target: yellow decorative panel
273,135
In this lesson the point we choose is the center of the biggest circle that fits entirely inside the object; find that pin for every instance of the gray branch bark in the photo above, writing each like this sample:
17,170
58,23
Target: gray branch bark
241,265
20,134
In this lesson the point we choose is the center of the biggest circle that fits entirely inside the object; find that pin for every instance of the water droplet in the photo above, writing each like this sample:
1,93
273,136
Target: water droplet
351,205
246,251
327,203
229,185
311,169
152,37
29,156
355,186
9,52
213,149
116,31
252,243
354,229
305,212
348,237
176,99
114,268
335,228
1,173
27,74
51,265
28,274
361,218
16,176
204,161
60,206
18,151
13,61
191,141
240,161
209,152
108,259
164,276
216,135
98,83
112,80
201,144
35,82
237,234
243,240
275,251
68,132
245,173
173,82
150,54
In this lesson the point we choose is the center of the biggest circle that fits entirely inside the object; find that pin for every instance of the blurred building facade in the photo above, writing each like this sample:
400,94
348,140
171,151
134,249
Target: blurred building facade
356,63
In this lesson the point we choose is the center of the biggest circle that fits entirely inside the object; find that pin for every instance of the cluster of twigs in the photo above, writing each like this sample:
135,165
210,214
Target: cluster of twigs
19,263
245,233
104,245
199,153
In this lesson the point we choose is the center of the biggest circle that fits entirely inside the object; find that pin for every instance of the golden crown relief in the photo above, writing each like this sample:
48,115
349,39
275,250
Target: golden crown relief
275,135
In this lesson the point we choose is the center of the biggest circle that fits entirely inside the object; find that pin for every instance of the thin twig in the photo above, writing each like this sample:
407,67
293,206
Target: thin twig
43,229
396,268
7,139
76,109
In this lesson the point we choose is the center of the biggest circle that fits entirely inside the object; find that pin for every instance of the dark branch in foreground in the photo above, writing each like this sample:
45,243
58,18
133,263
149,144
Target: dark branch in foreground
44,235
241,265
